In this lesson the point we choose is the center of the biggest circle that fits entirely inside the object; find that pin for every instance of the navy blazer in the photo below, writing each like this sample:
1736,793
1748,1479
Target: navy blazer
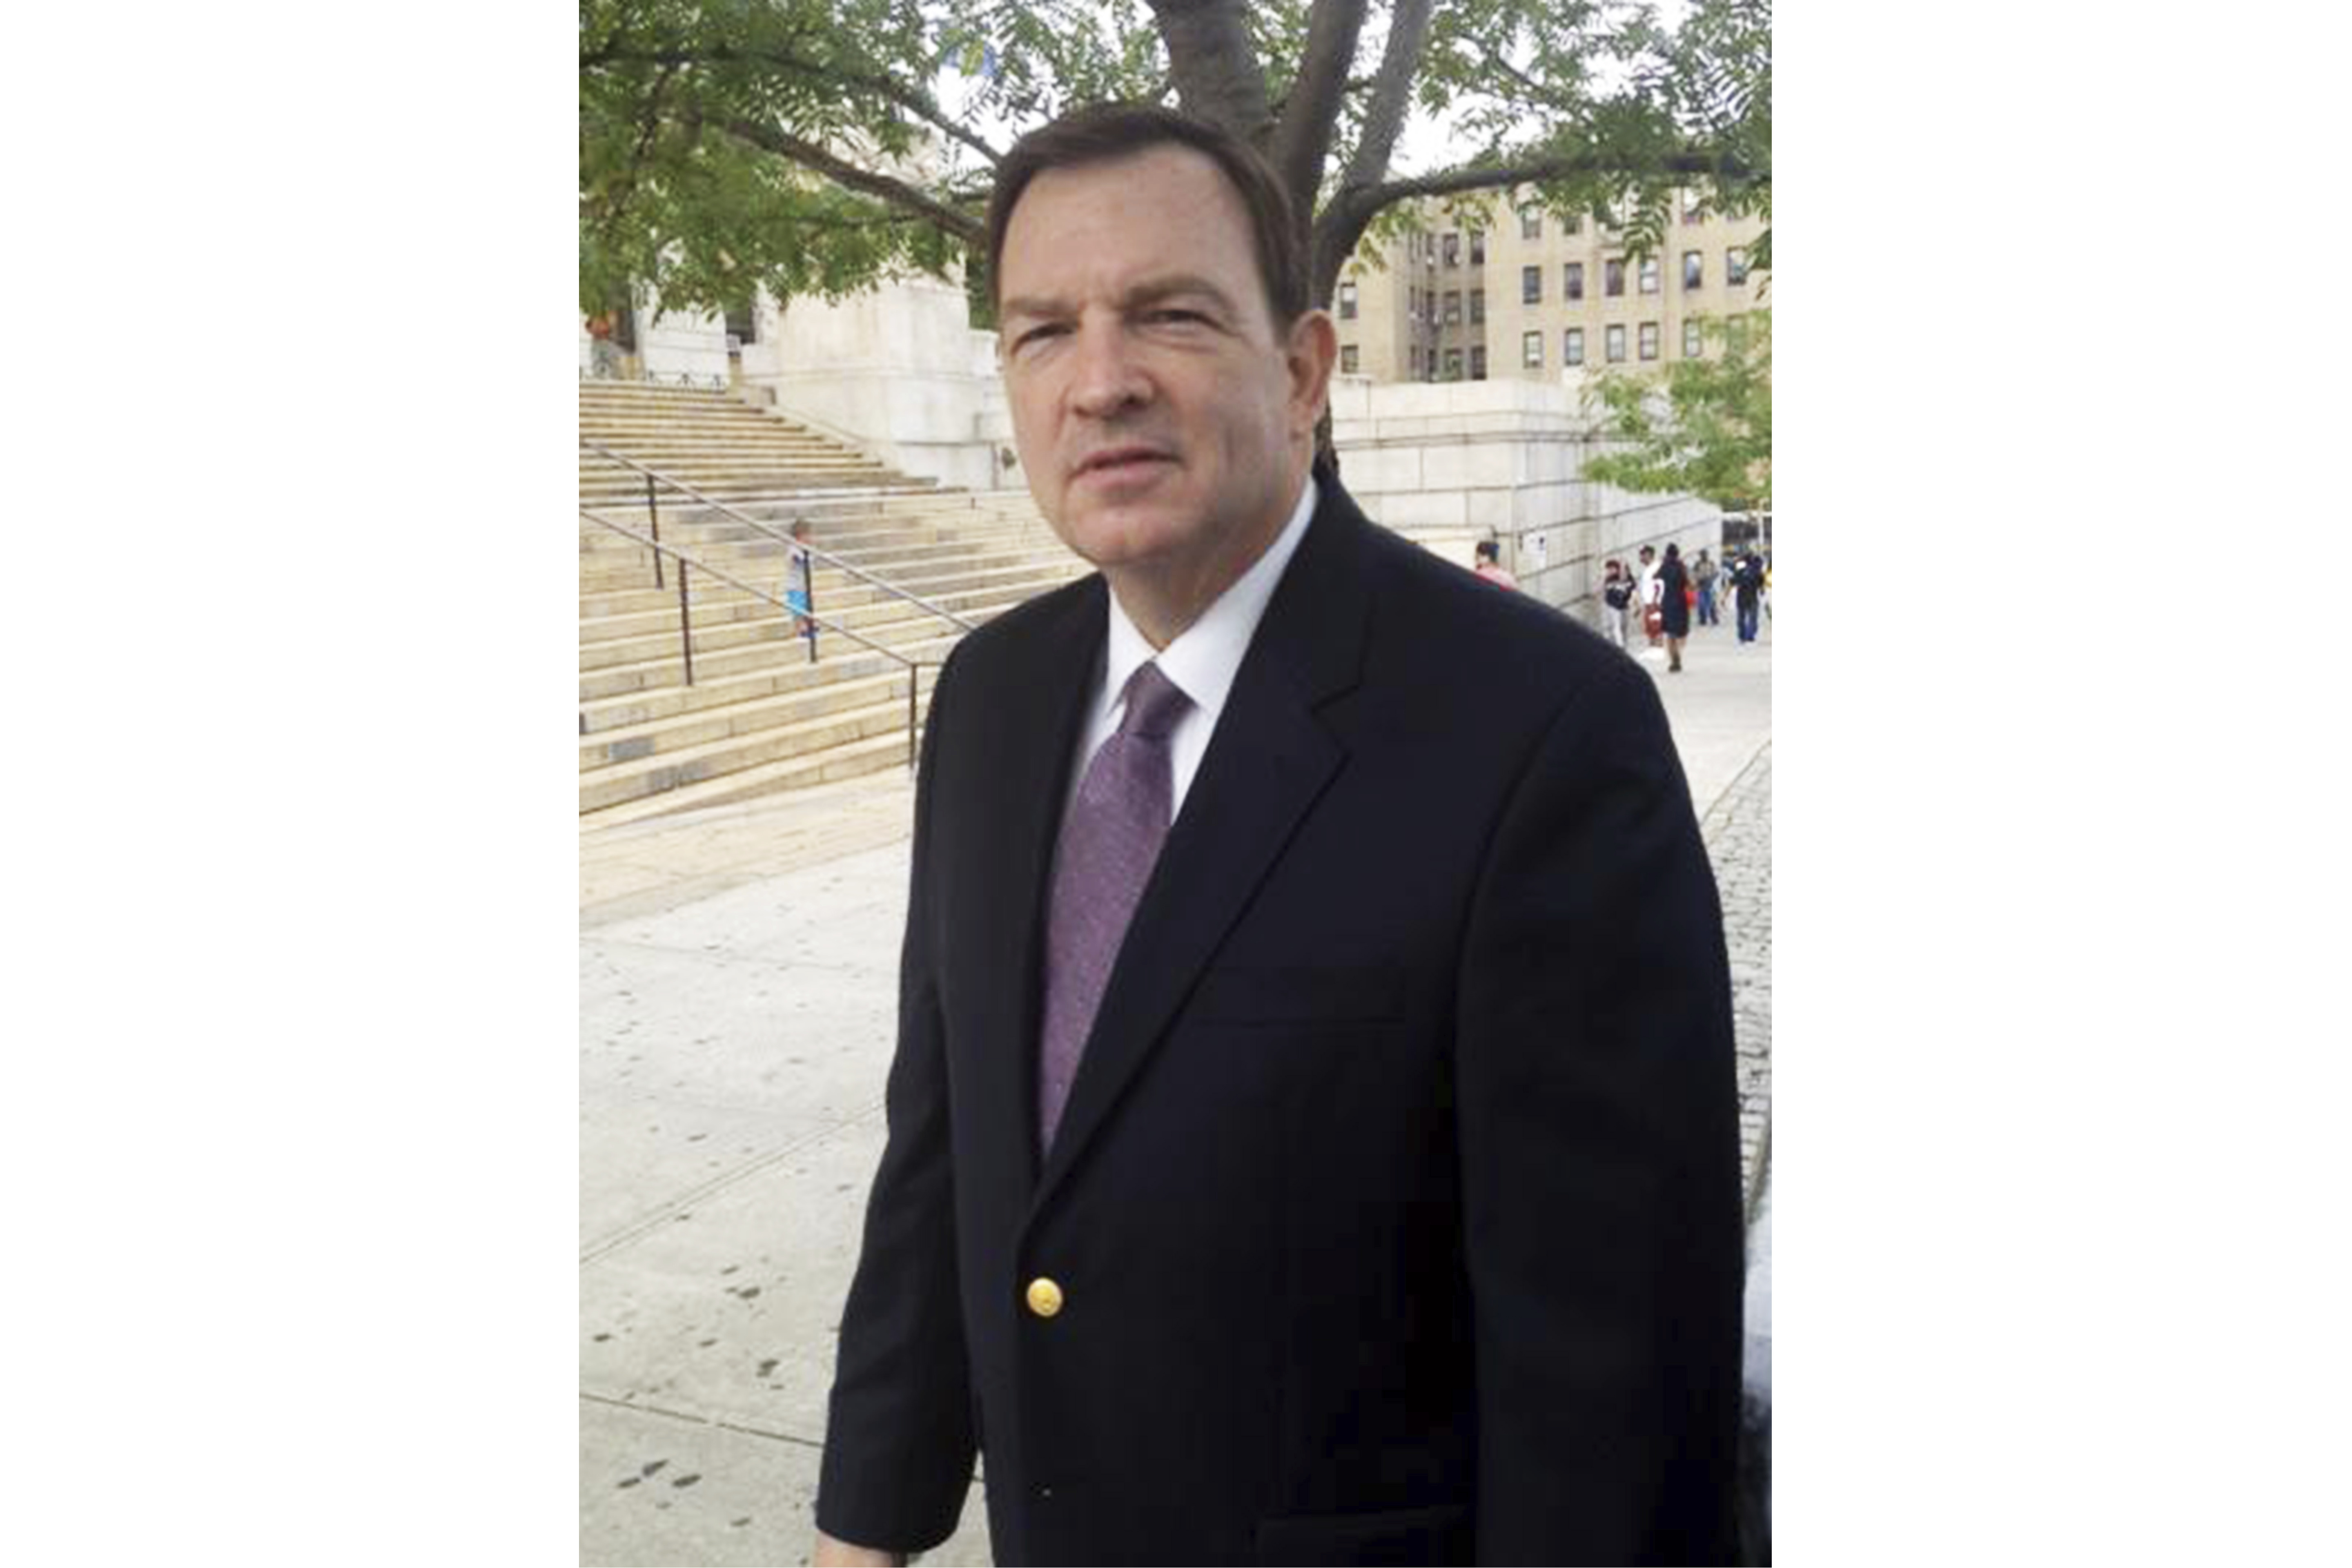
1395,1206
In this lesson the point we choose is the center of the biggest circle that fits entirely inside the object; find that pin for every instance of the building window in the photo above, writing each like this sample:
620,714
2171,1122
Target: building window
1612,277
1694,270
1649,275
1734,333
1530,223
1477,361
1572,223
1477,248
1452,247
1454,307
1693,207
1571,280
1613,343
1649,340
1692,342
1571,346
1477,307
1347,358
1348,300
1412,362
1531,350
1530,284
1454,364
1735,265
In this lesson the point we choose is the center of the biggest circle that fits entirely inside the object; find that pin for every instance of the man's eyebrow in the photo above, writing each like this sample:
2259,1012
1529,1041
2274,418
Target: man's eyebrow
1151,290
1147,291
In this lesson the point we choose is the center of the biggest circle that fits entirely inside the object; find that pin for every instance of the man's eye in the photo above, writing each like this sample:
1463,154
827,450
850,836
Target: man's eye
1175,315
1032,336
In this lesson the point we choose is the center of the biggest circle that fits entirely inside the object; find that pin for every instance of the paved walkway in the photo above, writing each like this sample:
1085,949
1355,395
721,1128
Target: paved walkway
736,987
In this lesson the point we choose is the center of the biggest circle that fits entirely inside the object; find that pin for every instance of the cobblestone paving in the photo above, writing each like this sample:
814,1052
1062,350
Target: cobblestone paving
1738,832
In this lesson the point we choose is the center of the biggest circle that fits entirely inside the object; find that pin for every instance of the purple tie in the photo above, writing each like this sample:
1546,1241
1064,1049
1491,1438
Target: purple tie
1110,836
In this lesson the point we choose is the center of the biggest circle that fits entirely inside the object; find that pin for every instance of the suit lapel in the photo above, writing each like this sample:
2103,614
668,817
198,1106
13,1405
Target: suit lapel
1269,760
1033,715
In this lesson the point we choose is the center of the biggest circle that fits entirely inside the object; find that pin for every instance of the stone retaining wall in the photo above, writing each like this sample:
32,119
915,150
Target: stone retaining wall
1450,463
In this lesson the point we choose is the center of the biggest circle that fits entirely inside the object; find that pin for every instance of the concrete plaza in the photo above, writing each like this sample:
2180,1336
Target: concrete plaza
736,991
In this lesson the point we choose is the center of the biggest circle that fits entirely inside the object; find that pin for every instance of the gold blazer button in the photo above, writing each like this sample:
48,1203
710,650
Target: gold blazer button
1045,1297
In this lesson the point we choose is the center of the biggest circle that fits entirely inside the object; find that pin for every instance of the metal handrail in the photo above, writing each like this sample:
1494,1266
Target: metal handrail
654,476
915,667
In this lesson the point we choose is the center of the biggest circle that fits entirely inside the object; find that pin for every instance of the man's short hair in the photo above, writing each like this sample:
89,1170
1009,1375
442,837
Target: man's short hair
1104,131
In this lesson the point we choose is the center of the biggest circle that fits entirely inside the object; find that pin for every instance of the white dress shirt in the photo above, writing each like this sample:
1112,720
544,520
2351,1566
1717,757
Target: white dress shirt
1202,661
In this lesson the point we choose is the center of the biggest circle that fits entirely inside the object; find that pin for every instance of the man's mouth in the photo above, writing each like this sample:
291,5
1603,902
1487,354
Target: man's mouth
1120,462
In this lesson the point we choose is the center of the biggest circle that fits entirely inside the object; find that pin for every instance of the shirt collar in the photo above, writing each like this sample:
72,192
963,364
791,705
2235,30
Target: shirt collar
1207,655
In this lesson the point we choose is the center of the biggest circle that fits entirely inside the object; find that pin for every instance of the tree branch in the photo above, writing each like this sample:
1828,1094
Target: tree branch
616,195
914,102
1448,182
1302,139
1343,222
1392,96
1216,69
841,171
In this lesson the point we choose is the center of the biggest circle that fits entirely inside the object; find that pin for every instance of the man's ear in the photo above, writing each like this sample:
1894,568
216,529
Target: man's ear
1312,349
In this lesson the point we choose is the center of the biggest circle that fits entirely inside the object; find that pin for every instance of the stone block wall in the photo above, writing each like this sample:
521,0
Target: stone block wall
900,370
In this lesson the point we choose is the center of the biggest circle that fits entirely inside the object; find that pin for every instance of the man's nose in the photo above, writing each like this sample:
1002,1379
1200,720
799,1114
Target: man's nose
1107,379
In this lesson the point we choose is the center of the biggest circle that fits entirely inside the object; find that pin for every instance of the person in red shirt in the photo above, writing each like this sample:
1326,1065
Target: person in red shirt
1490,564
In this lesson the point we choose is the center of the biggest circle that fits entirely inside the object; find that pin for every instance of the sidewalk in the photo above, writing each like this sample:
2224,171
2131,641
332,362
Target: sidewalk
736,993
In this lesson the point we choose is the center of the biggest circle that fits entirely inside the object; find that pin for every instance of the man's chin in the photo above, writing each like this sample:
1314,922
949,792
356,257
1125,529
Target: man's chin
1121,536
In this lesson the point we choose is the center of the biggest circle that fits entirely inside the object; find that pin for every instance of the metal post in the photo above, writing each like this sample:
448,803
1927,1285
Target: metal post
685,621
808,592
653,511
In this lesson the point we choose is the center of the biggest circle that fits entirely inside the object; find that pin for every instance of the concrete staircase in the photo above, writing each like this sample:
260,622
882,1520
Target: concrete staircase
761,716
714,441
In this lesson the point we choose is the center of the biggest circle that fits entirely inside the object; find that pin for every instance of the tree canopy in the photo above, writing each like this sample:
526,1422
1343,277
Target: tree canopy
1703,427
729,145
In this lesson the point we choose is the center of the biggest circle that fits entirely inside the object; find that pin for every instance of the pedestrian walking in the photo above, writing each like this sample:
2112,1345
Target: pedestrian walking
1704,571
1746,592
1675,604
1616,598
1652,628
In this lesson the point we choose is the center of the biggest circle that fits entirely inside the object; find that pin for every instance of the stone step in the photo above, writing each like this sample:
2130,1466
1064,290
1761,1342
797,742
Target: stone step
630,590
671,734
877,621
808,740
625,565
885,553
837,528
835,593
781,505
790,673
757,434
663,455
705,456
767,480
872,755
648,676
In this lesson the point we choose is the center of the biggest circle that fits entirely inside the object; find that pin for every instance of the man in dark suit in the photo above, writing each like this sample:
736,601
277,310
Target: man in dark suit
1312,1132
